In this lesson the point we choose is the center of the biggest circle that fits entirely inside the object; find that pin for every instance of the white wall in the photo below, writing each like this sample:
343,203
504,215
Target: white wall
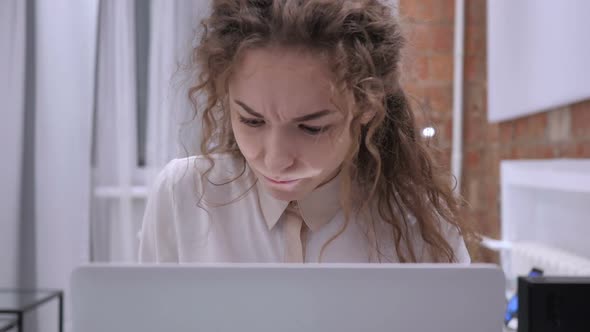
12,69
538,53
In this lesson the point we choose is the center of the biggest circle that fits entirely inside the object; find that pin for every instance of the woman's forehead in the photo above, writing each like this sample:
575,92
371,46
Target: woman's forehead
277,65
290,81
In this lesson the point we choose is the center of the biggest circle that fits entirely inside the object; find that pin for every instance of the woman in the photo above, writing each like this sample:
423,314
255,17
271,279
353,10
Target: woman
310,148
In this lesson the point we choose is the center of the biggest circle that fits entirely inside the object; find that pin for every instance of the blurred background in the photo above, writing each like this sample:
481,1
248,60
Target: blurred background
93,102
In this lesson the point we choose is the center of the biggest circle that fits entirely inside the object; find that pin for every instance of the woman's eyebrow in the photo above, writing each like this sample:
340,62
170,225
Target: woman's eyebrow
313,116
249,110
307,117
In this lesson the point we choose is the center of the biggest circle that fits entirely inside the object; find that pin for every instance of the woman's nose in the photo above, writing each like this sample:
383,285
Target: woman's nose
279,155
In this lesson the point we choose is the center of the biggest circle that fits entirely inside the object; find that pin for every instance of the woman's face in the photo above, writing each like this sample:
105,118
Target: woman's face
290,126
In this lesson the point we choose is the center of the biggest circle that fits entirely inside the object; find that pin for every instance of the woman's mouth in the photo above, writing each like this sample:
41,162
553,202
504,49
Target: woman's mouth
281,181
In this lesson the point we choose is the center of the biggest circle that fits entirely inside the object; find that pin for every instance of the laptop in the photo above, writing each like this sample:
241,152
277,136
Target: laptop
288,297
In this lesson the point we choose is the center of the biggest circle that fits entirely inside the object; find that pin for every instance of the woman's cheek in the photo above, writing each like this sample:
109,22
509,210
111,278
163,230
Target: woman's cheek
320,154
336,147
247,141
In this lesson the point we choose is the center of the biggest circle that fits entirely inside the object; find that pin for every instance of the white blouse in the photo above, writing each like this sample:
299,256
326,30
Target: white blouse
214,219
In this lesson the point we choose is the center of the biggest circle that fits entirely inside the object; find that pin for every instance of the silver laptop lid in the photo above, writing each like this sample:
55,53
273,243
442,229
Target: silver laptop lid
281,297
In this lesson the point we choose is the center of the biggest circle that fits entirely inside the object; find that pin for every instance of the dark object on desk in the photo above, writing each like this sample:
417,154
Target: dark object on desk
7,323
553,304
512,306
16,303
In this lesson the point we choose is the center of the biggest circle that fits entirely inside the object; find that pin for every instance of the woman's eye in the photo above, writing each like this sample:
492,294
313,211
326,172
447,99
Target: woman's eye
251,122
313,130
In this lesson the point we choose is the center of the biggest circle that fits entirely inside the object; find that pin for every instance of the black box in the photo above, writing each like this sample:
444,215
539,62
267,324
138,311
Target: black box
554,304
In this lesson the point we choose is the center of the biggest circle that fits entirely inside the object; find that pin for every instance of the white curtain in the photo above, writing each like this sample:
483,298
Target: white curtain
120,183
174,32
64,62
64,94
46,99
12,83
115,153
72,189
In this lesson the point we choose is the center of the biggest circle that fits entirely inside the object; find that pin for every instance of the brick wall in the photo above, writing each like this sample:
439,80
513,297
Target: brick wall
428,62
428,65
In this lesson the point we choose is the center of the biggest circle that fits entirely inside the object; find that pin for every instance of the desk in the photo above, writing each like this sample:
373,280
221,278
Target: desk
7,323
17,302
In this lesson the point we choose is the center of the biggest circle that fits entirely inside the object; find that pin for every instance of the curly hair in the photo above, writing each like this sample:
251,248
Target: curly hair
388,162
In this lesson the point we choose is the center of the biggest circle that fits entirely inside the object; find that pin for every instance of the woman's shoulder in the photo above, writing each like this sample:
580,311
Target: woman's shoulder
411,230
193,168
206,179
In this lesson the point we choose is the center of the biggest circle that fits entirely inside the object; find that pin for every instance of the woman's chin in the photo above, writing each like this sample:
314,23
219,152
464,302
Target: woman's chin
291,191
284,195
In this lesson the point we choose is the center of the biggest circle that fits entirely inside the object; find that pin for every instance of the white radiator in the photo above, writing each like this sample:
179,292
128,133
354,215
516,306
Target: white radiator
523,256
518,258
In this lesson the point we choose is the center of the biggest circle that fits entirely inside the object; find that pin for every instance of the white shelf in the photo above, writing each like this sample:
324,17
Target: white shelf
571,175
546,202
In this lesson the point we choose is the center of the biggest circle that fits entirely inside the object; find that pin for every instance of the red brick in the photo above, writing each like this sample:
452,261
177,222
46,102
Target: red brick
438,143
415,95
516,152
413,90
537,127
475,98
491,194
420,37
440,156
580,117
491,164
439,117
440,67
540,152
414,10
559,125
521,129
493,133
420,119
567,150
465,180
473,130
583,149
475,11
443,157
470,190
447,10
475,68
444,132
439,98
488,226
476,135
475,40
473,161
522,151
442,38
506,133
416,102
493,219
487,222
546,151
427,10
505,152
484,255
415,68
